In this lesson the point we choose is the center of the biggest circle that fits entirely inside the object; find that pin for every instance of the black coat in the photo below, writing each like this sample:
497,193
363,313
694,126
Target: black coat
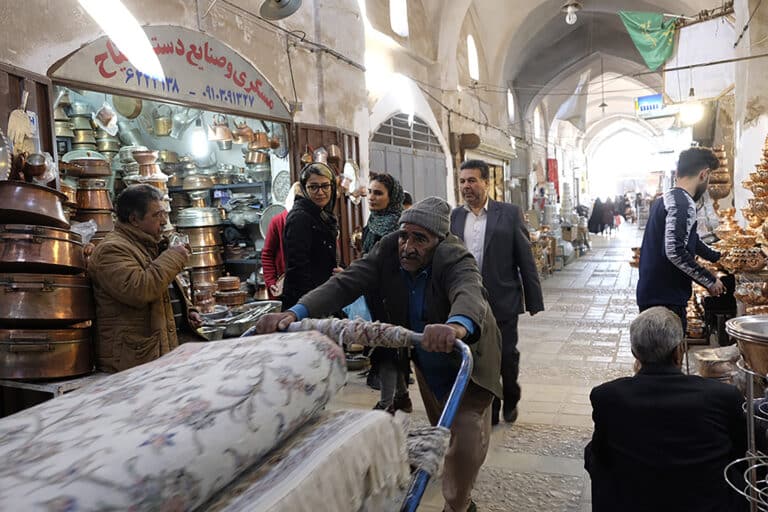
661,442
309,247
509,270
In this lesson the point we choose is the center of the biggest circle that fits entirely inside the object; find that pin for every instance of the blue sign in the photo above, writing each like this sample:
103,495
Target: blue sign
649,105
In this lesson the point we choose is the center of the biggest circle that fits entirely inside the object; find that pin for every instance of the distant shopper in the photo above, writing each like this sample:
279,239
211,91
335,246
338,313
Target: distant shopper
272,257
407,200
311,230
662,439
595,223
670,243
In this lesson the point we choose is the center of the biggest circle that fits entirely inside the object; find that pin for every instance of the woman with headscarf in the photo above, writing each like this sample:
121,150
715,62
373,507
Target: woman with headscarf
595,223
385,200
311,230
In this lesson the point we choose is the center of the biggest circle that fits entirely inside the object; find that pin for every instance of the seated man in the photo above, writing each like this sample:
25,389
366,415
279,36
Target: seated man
423,278
662,439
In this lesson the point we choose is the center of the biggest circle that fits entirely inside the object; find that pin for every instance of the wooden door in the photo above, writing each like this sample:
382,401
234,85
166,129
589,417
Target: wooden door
13,83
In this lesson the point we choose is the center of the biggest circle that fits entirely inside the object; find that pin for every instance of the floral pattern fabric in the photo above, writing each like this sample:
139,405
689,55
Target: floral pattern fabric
345,461
169,434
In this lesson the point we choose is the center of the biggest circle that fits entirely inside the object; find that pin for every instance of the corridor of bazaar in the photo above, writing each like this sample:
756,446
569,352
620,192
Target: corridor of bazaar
308,255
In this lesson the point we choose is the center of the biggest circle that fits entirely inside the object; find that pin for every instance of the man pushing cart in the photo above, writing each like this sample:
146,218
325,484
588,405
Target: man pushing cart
423,278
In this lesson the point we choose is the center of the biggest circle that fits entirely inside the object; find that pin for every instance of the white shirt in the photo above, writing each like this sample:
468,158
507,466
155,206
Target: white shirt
474,232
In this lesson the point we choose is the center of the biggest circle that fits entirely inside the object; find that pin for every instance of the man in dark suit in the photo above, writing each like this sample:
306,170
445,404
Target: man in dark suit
662,439
496,236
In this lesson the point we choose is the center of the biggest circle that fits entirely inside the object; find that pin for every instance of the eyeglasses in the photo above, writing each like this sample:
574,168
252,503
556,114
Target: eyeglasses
325,187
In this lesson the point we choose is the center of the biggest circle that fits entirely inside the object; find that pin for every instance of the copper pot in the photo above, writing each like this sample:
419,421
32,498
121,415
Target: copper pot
205,257
34,204
40,300
206,274
256,157
236,298
260,141
228,283
25,248
103,218
94,199
88,168
70,192
208,236
45,353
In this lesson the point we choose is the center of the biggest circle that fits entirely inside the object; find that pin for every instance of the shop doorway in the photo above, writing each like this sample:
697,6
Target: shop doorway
412,154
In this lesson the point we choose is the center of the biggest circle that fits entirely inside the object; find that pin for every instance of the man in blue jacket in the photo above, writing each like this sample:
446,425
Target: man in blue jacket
670,244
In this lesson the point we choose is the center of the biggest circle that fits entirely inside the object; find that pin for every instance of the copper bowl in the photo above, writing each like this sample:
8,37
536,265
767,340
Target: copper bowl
145,157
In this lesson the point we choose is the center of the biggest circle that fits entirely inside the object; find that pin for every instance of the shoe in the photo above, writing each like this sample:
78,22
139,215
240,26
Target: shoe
471,508
510,414
402,403
380,406
495,408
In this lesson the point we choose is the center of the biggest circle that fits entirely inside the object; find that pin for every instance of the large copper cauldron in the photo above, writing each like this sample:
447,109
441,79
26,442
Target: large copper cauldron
44,300
205,257
45,354
33,204
25,248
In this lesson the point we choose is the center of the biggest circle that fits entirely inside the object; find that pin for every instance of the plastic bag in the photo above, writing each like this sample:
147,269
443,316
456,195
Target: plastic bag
106,119
50,174
85,229
358,309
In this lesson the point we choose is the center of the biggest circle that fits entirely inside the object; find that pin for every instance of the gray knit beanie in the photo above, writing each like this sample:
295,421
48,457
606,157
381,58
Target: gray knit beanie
431,213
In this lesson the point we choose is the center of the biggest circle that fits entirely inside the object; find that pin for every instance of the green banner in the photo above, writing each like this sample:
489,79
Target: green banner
653,37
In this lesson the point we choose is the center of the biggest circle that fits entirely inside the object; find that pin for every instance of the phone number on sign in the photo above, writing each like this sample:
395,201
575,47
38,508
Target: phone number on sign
229,96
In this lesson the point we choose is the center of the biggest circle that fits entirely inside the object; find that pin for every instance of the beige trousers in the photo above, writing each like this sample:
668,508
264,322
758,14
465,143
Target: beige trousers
470,435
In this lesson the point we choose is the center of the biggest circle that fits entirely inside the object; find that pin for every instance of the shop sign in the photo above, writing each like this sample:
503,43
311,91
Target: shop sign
649,106
197,68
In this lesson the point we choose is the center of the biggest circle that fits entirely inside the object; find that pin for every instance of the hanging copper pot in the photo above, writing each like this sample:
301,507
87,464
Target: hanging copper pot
25,248
45,353
44,300
260,141
33,204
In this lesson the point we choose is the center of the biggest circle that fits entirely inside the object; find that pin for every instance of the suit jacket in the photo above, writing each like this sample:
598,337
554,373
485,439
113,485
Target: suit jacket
661,442
454,288
509,271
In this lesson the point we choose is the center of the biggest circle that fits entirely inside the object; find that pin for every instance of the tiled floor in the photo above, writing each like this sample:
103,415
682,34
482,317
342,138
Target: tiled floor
581,340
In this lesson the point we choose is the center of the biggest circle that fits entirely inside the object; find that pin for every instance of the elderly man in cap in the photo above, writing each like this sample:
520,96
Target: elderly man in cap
423,278
662,439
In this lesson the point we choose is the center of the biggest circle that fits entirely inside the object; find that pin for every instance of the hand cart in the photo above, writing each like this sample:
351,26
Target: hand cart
391,336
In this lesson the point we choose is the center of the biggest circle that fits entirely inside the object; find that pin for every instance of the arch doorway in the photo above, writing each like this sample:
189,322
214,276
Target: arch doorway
410,152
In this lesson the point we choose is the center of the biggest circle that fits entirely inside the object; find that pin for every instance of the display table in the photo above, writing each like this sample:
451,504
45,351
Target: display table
55,387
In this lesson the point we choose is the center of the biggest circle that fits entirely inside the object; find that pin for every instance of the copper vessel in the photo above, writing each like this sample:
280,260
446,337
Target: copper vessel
206,274
93,195
44,300
33,204
228,283
45,353
205,257
236,298
87,168
25,248
103,218
207,236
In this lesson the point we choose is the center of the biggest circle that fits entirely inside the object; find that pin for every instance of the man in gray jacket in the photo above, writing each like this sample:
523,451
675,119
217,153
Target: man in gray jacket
423,278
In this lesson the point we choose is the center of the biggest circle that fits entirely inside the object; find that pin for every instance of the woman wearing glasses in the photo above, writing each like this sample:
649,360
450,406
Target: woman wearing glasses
311,230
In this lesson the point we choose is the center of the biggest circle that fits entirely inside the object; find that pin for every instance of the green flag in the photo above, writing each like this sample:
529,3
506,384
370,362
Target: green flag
653,37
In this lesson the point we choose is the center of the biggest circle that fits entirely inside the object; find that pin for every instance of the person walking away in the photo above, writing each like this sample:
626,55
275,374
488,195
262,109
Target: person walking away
496,235
595,222
311,230
607,218
392,366
272,257
131,274
670,243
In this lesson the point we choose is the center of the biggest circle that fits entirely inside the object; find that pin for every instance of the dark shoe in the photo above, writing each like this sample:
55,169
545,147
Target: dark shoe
510,413
402,403
381,407
495,408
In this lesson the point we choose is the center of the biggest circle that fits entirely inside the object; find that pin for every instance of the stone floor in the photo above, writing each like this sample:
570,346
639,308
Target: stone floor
580,341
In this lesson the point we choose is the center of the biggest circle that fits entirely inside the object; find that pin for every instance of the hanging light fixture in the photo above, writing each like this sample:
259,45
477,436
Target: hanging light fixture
199,140
126,33
692,110
603,105
570,8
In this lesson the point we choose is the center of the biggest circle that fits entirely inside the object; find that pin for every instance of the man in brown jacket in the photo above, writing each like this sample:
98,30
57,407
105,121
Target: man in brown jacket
131,275
422,277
